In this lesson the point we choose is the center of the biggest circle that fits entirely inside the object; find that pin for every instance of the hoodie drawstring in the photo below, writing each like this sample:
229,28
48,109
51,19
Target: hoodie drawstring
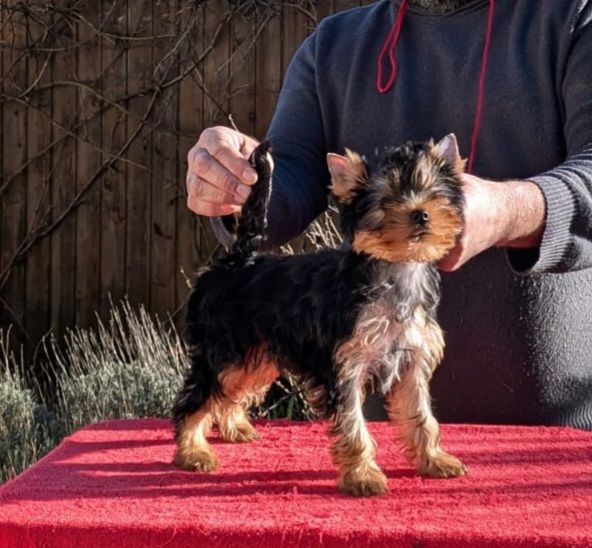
389,47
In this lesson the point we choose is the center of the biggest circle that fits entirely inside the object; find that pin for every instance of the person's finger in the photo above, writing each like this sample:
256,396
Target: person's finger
235,163
209,169
202,189
231,149
209,209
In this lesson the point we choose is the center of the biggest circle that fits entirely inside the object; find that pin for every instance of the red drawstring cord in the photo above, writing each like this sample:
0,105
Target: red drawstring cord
481,90
390,45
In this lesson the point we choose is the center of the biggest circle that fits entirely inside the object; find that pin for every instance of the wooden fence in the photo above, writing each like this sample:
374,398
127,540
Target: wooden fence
100,102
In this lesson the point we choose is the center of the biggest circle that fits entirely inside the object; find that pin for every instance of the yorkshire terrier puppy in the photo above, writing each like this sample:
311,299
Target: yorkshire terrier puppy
341,320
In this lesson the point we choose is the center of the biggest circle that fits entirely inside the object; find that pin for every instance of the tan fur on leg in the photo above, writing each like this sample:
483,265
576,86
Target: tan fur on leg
409,406
235,426
243,387
193,450
353,451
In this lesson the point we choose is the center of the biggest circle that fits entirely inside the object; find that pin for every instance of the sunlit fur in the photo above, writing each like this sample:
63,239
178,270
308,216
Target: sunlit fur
341,320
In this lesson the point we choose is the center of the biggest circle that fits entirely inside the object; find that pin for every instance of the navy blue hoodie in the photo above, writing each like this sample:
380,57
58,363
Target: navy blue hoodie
518,323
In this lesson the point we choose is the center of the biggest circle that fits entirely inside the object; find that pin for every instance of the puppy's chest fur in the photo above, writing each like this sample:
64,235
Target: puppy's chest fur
391,324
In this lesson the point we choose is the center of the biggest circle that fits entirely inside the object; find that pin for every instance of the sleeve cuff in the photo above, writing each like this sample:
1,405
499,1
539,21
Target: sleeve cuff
560,211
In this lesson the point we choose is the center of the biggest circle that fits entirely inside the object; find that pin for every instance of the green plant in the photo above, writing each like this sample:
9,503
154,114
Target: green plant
28,429
131,366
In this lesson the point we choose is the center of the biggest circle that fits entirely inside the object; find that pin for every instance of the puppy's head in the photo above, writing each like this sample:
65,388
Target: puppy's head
409,209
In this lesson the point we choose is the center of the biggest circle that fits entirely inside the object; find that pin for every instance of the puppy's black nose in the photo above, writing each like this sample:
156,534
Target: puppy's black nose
420,217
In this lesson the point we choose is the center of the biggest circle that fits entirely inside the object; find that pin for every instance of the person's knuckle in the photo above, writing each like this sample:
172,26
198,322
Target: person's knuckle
219,196
202,161
207,134
217,149
199,187
227,182
191,153
211,136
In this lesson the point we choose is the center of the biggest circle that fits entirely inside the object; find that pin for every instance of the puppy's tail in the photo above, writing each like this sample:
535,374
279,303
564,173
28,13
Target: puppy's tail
249,236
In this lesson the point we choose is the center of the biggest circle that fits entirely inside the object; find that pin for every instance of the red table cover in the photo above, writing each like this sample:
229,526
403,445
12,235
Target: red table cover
112,484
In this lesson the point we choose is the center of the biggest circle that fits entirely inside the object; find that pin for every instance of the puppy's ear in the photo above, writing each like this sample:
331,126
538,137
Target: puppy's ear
348,174
447,147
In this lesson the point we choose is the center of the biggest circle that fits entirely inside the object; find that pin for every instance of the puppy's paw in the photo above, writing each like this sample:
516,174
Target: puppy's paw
442,465
240,433
197,460
365,483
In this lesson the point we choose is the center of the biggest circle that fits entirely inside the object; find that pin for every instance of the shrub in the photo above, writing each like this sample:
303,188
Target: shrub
28,429
131,366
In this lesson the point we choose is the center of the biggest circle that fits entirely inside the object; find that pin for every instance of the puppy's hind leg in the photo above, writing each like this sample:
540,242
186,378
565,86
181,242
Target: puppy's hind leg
193,417
409,406
243,387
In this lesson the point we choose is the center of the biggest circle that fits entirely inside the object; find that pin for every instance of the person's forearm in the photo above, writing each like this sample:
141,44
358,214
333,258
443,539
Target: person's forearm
523,213
507,214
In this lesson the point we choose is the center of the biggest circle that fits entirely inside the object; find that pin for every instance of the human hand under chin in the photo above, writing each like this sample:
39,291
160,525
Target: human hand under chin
505,214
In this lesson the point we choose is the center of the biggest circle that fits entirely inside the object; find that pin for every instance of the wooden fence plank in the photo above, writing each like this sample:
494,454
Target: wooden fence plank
14,151
3,320
322,9
268,70
132,232
63,238
4,317
113,138
164,164
39,136
139,66
88,214
341,5
296,26
190,120
242,70
217,74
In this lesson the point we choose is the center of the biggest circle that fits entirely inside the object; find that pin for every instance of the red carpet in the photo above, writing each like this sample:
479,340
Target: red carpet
112,484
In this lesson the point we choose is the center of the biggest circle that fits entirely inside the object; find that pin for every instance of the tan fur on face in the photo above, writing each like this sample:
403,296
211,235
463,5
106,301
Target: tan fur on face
394,241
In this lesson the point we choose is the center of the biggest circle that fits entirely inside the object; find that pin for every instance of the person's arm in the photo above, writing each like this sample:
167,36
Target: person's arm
219,175
546,222
509,214
301,176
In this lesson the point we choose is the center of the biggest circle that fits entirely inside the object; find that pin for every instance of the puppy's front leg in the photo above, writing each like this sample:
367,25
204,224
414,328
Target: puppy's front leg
353,449
409,406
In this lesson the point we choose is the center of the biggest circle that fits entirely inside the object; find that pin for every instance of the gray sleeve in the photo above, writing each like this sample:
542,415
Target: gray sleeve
296,134
567,239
